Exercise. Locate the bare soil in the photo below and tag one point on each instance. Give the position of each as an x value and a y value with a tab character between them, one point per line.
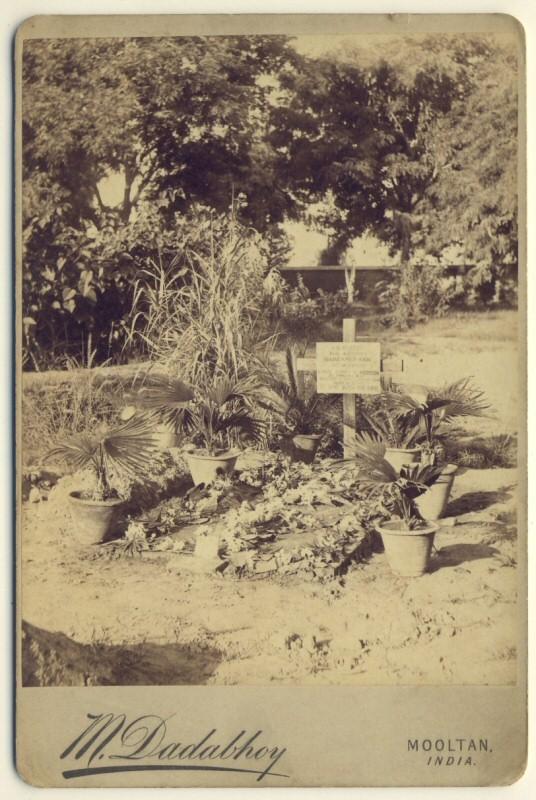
155	621
456	624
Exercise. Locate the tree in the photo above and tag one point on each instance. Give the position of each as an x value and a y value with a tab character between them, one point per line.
390	137
324	132
475	203
180	119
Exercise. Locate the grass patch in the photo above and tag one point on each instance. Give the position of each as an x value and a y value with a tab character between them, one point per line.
484	452
55	410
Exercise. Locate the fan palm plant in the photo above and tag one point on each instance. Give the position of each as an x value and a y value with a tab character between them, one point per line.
428	412
302	412
166	398
125	451
407	536
212	417
396	490
224	413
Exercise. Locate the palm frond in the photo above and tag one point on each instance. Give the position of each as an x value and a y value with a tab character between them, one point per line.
224	390
275	400
462	399
369	453
243	422
77	452
425	474
166	398
395	430
163	393
130	447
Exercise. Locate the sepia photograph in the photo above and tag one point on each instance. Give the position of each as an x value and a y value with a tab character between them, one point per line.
271	383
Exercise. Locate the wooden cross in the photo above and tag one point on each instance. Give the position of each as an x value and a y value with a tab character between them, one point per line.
348	400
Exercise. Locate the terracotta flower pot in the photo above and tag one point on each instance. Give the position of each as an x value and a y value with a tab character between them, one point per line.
399	457
205	468
433	502
305	446
93	519
408	552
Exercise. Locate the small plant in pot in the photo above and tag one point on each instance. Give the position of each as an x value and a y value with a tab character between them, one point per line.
430	413
112	456
302	413
407	536
216	422
165	399
399	435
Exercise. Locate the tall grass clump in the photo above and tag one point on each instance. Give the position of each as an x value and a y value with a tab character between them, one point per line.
201	312
53	409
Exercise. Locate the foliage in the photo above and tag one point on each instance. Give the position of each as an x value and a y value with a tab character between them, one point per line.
475	202
292	500
223	414
377	418
415	293
299	315
415	144
79	403
179	117
125	451
165	397
301	412
175	122
296	313
397	491
482	453
430	411
408	416
413	140
213	416
199	313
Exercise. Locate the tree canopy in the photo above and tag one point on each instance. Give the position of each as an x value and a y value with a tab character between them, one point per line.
414	141
395	140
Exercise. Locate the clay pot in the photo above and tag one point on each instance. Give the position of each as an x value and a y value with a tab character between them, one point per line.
408	552
399	457
93	519
433	502
205	468
305	446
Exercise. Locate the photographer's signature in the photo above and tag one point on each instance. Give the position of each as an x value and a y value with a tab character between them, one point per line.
112	743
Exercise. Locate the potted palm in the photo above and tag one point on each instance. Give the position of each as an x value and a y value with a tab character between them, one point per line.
406	535
219	419
430	412
111	456
166	399
398	435
302	413
214	421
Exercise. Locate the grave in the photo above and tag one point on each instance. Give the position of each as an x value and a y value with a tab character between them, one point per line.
351	367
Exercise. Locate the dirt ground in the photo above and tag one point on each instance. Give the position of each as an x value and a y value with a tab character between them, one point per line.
155	621
456	624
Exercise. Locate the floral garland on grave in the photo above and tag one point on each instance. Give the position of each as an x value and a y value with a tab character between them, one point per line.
286	500
292	494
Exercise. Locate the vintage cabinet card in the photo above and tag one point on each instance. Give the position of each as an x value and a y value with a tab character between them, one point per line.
271	404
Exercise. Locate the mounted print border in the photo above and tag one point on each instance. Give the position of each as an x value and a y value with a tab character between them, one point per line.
271	400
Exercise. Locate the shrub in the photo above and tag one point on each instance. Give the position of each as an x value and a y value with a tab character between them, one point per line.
483	453
418	292
299	314
199	313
